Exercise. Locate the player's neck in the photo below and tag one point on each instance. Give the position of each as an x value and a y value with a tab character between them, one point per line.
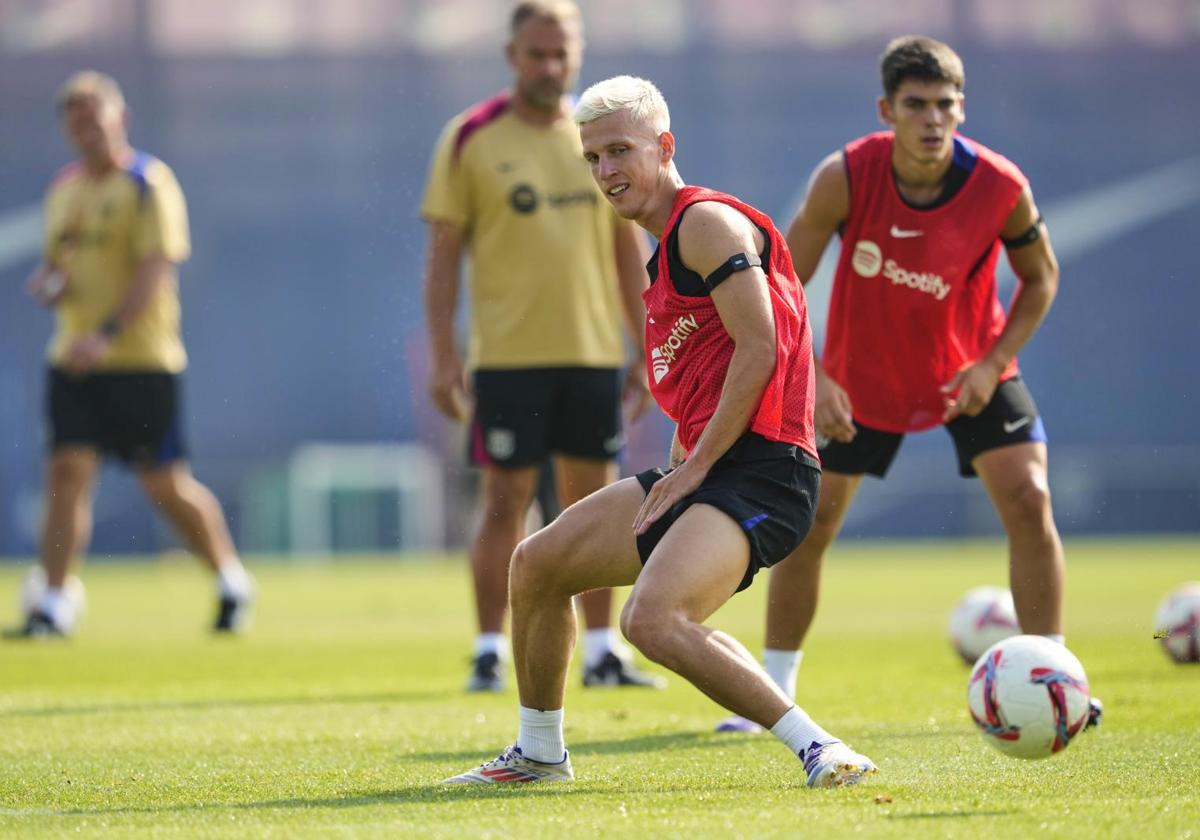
654	220
534	114
111	160
919	181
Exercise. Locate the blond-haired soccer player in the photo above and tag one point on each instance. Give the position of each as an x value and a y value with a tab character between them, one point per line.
116	231
730	356
552	273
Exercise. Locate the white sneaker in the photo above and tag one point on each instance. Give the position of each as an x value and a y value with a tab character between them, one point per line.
833	764
512	766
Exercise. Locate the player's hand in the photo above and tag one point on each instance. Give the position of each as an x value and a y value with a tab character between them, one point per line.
635	393
832	412
667	492
971	389
86	352
448	387
46	285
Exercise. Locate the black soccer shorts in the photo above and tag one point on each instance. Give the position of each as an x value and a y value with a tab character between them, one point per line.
769	488
1011	417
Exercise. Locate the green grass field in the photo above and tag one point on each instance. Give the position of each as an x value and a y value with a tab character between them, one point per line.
341	710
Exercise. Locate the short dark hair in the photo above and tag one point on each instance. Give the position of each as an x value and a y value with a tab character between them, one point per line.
921	58
563	11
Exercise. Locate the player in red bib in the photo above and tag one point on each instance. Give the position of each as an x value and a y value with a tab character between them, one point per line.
916	336
729	356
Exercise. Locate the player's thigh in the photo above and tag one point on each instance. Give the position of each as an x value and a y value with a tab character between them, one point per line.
580	477
508	490
586	422
1016	477
696	567
71	416
141	418
511	421
71	470
837	492
590	545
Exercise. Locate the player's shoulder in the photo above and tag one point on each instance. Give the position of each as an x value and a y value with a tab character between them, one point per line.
712	221
994	161
875	143
474	121
65	176
148	172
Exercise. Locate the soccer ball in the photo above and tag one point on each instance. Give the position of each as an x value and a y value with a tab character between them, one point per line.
1177	623
982	617
1029	696
34	587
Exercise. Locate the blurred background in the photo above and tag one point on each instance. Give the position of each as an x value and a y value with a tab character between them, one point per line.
301	131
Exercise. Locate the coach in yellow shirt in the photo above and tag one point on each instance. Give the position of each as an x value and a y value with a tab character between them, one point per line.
552	271
116	230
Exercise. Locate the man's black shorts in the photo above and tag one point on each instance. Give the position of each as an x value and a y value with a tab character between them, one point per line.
133	416
767	487
1011	417
524	414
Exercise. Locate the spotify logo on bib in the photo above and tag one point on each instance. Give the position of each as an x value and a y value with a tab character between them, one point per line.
867	259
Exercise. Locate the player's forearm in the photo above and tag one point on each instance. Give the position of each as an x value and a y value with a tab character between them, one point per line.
750	370
1029	306
441	299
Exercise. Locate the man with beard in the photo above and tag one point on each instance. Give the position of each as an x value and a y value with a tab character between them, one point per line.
552	272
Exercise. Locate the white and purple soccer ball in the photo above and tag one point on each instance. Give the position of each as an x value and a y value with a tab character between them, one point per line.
1177	623
982	617
1029	696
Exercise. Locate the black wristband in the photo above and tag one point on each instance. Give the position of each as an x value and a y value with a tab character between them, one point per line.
111	328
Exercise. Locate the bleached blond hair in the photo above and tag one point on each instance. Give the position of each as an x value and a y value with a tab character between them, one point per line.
624	93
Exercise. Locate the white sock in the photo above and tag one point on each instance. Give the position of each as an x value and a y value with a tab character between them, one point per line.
798	731
491	643
1056	637
782	666
598	642
232	580
58	607
541	735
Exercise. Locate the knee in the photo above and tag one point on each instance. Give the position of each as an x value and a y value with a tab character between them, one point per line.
505	507
66	474
649	629
531	570
1029	502
159	485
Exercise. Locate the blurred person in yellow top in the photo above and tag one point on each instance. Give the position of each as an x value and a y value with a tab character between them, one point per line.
116	231
552	273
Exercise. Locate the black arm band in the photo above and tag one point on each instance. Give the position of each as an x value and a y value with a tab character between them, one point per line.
734	264
111	328
1027	238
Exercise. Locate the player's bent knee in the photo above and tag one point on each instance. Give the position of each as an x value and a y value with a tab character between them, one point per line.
651	630
1029	501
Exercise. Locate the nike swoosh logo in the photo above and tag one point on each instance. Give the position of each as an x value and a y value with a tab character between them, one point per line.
1010	427
906	234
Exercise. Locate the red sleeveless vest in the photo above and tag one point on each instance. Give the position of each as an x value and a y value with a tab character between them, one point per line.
914	296
688	349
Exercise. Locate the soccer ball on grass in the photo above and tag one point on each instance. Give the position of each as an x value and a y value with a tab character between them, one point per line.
1177	623
982	617
1029	696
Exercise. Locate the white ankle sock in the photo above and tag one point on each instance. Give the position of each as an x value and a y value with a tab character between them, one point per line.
491	643
541	735
1056	637
58	608
232	580
598	642
783	666
798	731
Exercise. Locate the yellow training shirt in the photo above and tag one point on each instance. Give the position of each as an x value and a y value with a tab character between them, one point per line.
542	279
98	230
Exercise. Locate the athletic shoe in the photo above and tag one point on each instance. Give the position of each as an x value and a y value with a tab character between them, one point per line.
232	614
833	764
37	625
1095	713
613	670
487	673
512	766
737	723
